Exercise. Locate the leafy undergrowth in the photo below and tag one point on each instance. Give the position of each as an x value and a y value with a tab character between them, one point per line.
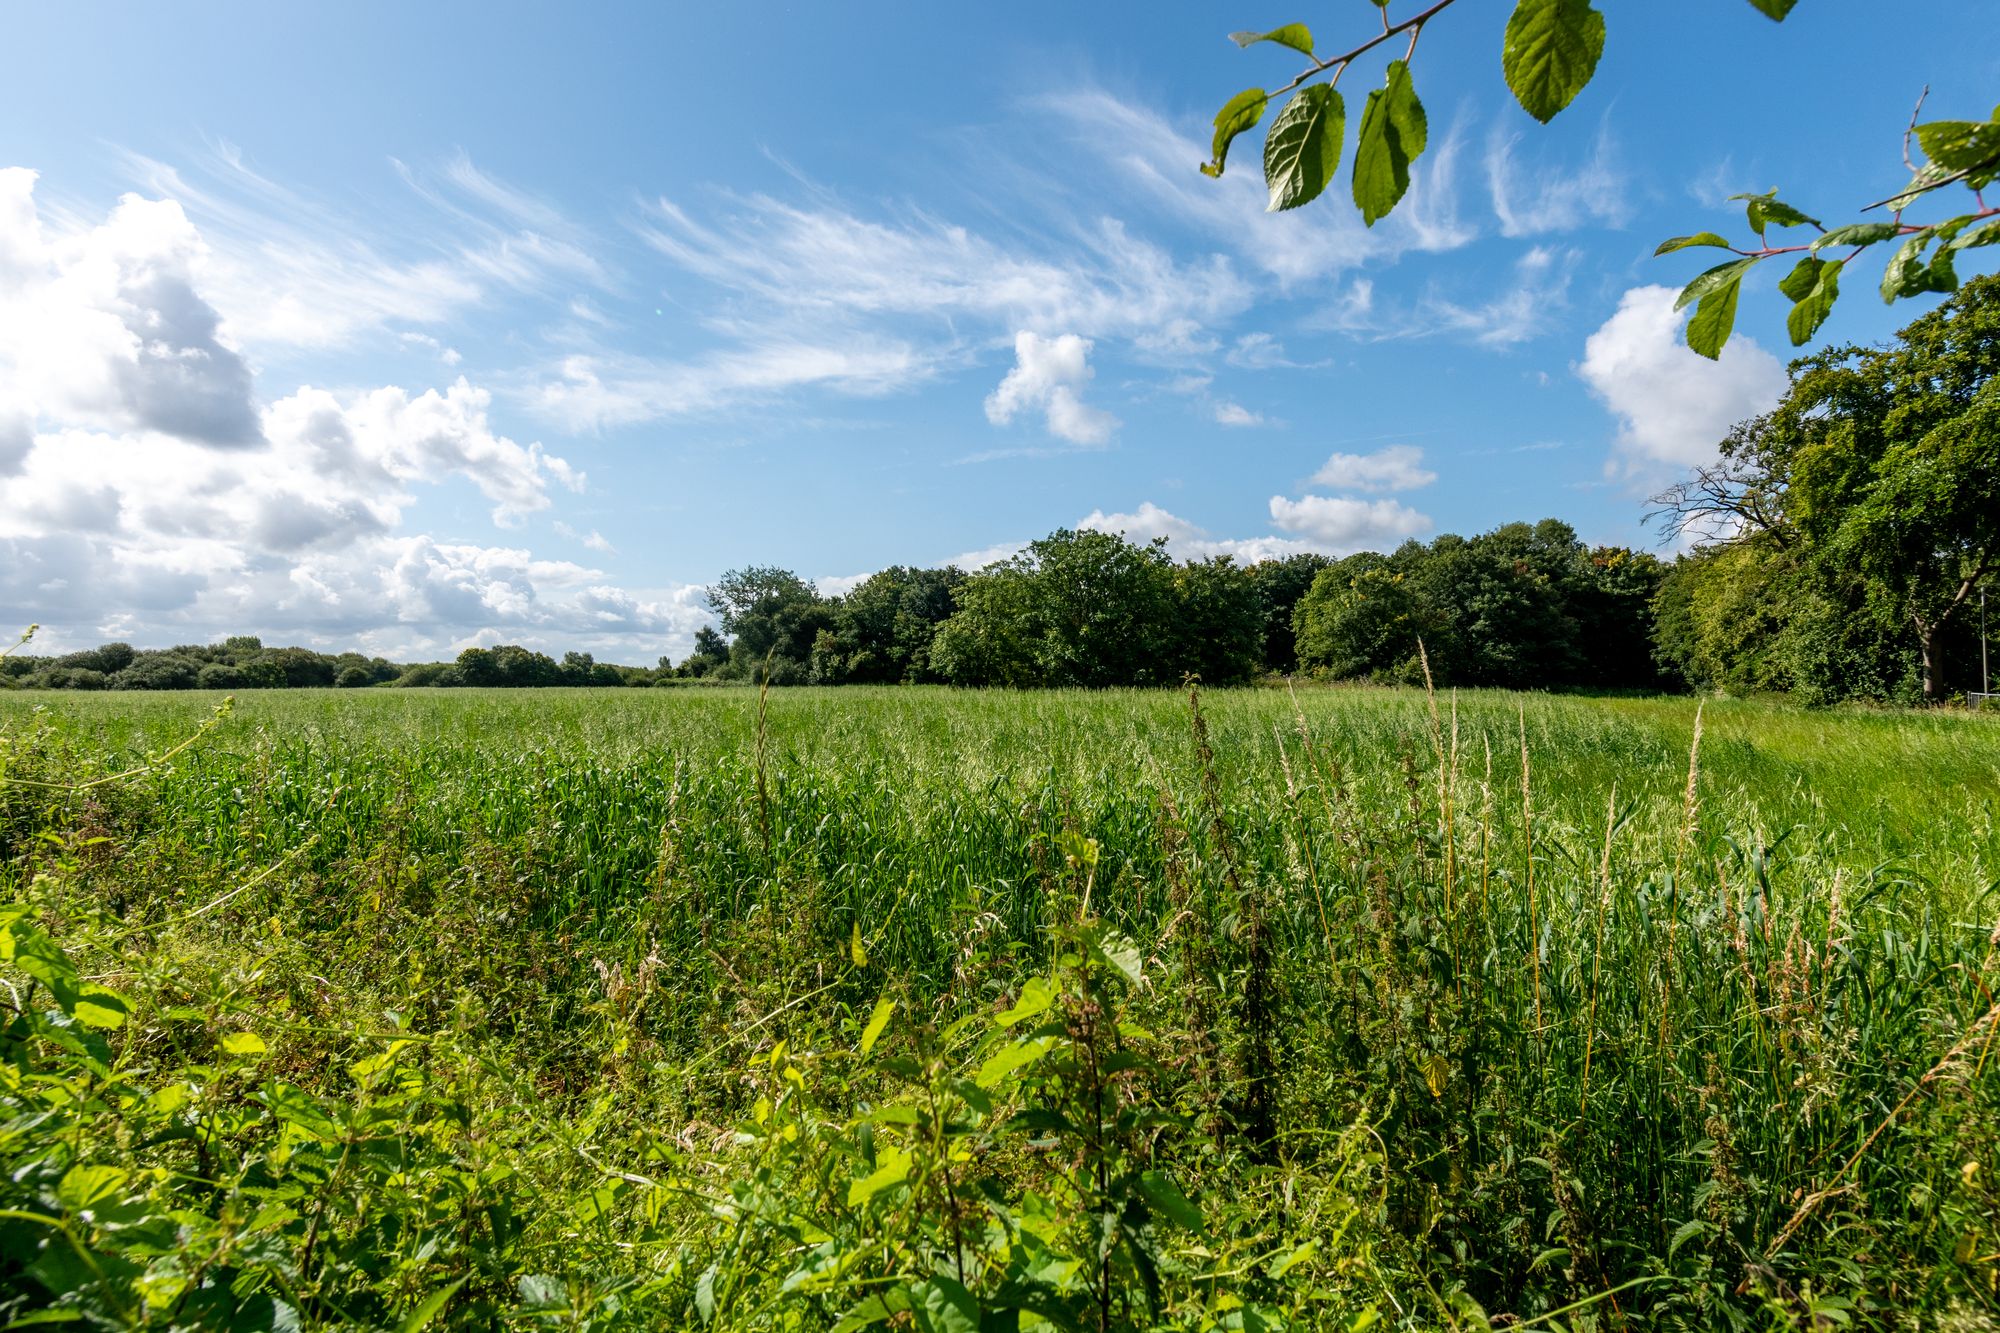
300	1035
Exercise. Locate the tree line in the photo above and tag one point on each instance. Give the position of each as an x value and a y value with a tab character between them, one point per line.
1847	538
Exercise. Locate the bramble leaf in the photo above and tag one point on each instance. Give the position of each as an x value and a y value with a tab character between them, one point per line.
1238	114
1295	35
1392	134
1550	52
1303	149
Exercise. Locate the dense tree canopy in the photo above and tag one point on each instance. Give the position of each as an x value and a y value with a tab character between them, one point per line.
1852	526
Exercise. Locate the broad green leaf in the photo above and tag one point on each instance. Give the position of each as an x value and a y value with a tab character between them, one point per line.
1037	994
295	1106
1011	1059
1714	318
1767	210
874	1310
892	1169
1551	50
1683	242
876	1022
1815	302
1168	1201
1986	233
1392	134
855	949
1857	233
101	1007
1302	150
1929	176
1961	145
1905	274
1238	114
1713	280
1294	1259
244	1043
1798	284
1774	9
1295	35
88	1184
34	952
943	1305
433	1305
1119	951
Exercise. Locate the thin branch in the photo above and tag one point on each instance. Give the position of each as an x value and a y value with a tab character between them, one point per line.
1413	24
1910	133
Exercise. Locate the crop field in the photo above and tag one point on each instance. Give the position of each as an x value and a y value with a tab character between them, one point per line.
953	1010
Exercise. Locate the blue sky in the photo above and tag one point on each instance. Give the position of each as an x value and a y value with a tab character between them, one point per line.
407	327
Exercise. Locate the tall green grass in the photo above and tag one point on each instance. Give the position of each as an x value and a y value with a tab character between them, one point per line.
1627	1048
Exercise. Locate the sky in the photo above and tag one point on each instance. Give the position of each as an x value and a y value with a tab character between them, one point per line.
410	327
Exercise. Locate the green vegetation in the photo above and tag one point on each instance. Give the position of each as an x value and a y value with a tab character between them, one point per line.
1549	53
956	1010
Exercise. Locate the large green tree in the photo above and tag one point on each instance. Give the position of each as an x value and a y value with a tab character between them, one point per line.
1879	477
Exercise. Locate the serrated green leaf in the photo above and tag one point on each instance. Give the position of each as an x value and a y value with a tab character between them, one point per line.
1011	1059
1961	145
1985	233
1037	994
88	1184
100	1006
1815	302
1667	247
876	1022
1774	9
1168	1201
1302	151
1122	953
874	1310
1857	233
1393	132
1686	1232
1295	35
247	1044
432	1306
943	1305
892	1169
1713	280
1799	282
1714	318
1929	176
1550	52
1767	210
1238	114
1904	275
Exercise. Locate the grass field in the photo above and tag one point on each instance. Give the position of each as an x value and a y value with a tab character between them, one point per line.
913	1008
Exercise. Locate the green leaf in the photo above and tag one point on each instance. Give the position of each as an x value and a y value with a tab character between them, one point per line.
1714	318
1713	280
1293	1260
1961	145
1767	210
1302	150
1393	132
943	1305
1799	282
875	1310
85	1185
1011	1059
1037	994
247	1044
1238	114
1929	176
1857	233
1168	1201
434	1303
1986	233
893	1169
1815	302
1295	35
1774	9
1906	274
1550	52
101	1007
876	1022
1683	242
1120	952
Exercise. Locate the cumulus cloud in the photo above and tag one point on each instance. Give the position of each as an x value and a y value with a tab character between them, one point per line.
1049	375
1400	467
1229	413
144	493
105	327
1343	525
1673	407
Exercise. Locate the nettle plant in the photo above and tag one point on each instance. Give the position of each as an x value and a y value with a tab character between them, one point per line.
1549	54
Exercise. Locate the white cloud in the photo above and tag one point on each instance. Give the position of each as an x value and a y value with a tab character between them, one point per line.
839	585
1400	467
1515	315
1342	525
985	555
1049	375
1229	413
104	326
1532	200
1673	406
591	391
